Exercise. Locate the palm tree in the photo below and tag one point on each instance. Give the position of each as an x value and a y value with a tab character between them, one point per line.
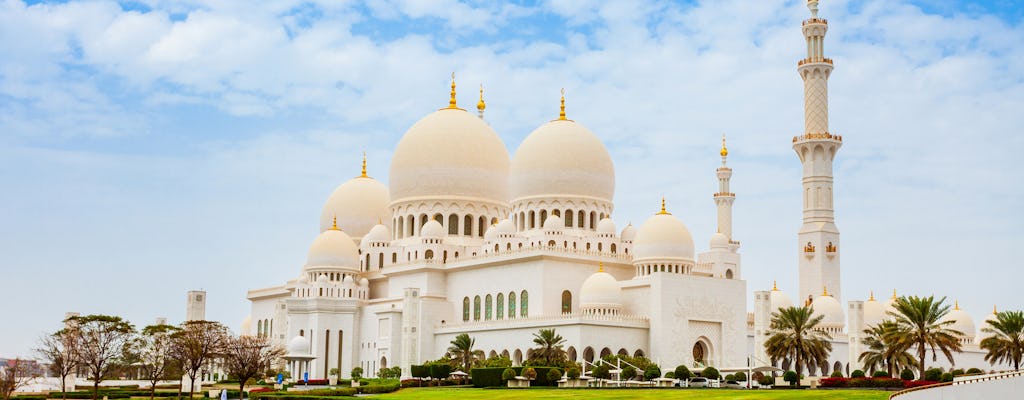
793	334
1007	342
921	325
549	346
883	351
461	350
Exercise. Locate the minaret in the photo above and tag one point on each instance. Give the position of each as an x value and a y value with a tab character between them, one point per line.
724	198
195	309
817	147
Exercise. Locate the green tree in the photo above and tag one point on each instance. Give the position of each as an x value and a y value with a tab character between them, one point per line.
13	376
710	373
601	372
907	374
103	342
196	344
683	373
1006	343
497	361
549	347
508	374
791	377
356	373
529	373
628	373
462	351
573	373
794	335
883	350
652	372
921	326
554	375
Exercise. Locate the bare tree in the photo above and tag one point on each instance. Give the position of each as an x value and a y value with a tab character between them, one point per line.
13	375
196	344
103	341
246	357
156	353
60	349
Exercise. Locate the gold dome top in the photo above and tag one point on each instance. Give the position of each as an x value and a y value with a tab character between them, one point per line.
480	105
334	224
561	113
663	211
724	152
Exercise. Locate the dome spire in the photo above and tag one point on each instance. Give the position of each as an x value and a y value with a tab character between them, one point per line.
663	211
451	101
872	297
334	223
824	291
724	152
480	105
775	286
956	304
894	294
600	266
363	174
561	112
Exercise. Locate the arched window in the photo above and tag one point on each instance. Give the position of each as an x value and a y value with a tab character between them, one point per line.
367	265
566	302
476	308
380	261
467	225
533	219
394	258
593	220
543	217
411	223
512	304
487	307
481	228
612	246
599	246
568	218
728	274
401	228
465	309
429	254
581	216
524	301
453	224
259	328
500	307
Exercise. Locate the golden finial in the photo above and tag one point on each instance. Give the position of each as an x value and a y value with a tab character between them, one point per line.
724	151
994	311
480	105
363	174
561	114
824	291
451	101
334	224
600	266
956	304
380	221
663	211
894	294
775	286
872	298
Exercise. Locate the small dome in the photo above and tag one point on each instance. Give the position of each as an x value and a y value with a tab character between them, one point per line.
347	281
358	205
333	248
628	233
779	299
363	282
298	346
322	279
433	230
562	158
246	326
379	234
504	227
606	226
450	153
981	334
554	223
663	236
719	241
962	321
874	312
829	307
602	291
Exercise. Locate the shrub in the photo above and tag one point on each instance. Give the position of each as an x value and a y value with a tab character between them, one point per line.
32	397
357	373
682	372
766	380
411	383
303	395
730	377
880	374
957	372
440	371
857	374
914	384
497	361
573	373
334	372
837	374
379	388
973	371
740	376
881	382
946	377
601	371
420	371
907	374
710	373
834	382
507	374
932	374
652	372
790	376
628	373
554	375
530	373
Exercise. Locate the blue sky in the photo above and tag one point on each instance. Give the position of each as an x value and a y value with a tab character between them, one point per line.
153	147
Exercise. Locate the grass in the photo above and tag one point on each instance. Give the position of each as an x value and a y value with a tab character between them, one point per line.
548	393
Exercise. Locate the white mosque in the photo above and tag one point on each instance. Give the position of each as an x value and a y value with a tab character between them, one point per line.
470	240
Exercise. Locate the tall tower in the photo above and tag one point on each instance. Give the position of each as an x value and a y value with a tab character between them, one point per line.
817	147
724	198
195	306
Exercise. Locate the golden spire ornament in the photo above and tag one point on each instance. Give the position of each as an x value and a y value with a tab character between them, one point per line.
872	298
480	105
451	101
363	174
561	112
600	266
663	211
334	223
775	286
724	152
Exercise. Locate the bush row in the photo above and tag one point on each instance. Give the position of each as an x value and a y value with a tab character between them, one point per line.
872	383
488	377
326	393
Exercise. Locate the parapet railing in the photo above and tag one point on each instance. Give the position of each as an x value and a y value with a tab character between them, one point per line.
976	379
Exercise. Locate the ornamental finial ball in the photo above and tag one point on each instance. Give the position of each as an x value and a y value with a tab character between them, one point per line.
561	113
451	101
725	151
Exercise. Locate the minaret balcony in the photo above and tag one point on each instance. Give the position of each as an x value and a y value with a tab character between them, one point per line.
818	136
725	194
824	60
814	21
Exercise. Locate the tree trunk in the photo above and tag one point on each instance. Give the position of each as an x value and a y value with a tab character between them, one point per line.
152	389
95	389
241	389
799	369
191	385
63	386
920	353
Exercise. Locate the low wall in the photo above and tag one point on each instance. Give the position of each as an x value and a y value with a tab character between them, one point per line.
995	386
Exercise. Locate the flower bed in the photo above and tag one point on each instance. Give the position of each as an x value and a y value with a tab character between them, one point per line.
871	383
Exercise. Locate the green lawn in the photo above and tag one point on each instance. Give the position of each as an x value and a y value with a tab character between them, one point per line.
499	394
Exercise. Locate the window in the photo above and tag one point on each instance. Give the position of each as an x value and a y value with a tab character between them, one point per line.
467	226
429	254
500	307
487	307
525	306
512	304
476	308
453	224
566	302
465	309
568	218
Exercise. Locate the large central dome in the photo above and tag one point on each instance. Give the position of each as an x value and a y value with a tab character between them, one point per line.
562	158
450	154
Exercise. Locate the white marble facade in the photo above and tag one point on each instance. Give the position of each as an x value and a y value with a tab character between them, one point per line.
467	238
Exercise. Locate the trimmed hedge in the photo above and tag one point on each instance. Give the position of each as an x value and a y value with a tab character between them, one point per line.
490	377
111	394
869	383
232	394
304	395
